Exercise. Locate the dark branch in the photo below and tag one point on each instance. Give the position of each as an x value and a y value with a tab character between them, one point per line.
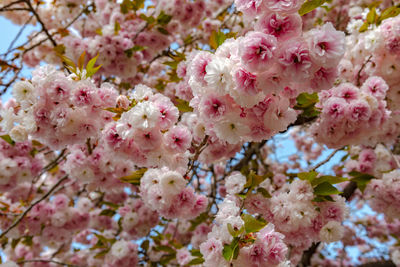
16	222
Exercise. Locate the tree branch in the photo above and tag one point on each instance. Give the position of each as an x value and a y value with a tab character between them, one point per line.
254	147
361	69
387	263
11	4
49	261
33	205
326	160
28	2
197	153
306	258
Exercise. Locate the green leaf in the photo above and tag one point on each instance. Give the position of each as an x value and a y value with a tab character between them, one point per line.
59	49
28	241
188	40
183	106
117	27
389	12
110	204
125	6
328	178
256	179
81	60
253	180
162	30
252	224
344	157
90	69
264	192
135	177
196	253
229	250
364	27
310	5
134	5
196	261
93	71
307	176
15	242
99	31
165	249
101	254
138	4
310	112
8	139
172	64
234	232
148	19
323	199
101	238
242	196
69	63
167	258
102	242
136	48
371	16
374	4
236	250
116	110
305	100
163	19
107	212
217	39
362	179
326	189
145	245
198	220
33	152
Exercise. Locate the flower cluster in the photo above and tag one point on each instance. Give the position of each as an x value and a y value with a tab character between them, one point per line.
122	39
298	217
383	194
57	110
265	249
352	115
60	219
122	253
98	168
18	165
245	91
138	218
268	249
148	133
372	161
165	191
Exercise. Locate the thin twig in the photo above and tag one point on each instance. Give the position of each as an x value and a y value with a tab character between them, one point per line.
253	147
20	32
197	153
361	69
50	261
11	4
33	205
15	9
326	160
28	2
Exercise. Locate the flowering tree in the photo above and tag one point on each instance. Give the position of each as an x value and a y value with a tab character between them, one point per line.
147	133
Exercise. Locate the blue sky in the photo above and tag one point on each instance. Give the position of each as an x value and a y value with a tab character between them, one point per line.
8	31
